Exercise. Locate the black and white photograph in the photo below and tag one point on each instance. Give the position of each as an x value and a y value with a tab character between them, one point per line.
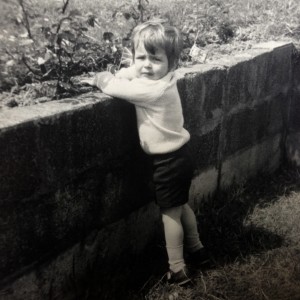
149	150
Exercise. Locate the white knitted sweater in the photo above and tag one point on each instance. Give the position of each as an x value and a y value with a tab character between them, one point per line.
158	108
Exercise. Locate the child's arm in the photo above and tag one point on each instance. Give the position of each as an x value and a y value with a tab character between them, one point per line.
127	73
139	91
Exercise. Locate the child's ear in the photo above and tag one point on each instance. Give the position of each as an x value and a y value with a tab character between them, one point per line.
172	69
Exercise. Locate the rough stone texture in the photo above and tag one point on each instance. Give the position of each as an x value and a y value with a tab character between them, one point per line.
62	167
202	93
293	149
253	124
263	157
250	81
293	138
96	255
75	187
56	148
204	184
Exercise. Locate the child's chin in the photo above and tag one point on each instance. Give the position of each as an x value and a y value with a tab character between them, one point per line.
149	76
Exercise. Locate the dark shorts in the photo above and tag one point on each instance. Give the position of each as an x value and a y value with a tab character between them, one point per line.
172	176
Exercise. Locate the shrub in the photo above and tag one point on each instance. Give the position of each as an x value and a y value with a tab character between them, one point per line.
60	46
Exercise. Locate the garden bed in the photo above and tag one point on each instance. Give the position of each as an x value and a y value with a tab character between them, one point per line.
46	46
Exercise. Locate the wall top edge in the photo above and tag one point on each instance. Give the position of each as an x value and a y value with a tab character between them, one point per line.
16	116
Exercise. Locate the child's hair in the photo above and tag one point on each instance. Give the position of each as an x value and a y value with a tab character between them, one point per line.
154	35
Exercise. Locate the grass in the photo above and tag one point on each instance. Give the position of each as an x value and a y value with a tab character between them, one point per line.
253	234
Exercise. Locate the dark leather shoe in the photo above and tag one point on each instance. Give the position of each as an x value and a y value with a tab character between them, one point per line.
181	277
199	258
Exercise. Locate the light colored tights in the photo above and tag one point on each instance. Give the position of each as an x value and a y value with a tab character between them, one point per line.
180	228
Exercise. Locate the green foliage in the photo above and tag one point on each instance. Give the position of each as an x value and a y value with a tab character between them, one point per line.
62	41
57	47
60	46
55	40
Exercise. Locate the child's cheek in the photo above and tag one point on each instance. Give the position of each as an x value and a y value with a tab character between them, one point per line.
137	71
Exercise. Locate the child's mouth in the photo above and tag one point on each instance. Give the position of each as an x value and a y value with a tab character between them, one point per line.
146	74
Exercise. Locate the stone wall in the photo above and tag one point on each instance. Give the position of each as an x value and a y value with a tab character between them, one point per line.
76	199
293	138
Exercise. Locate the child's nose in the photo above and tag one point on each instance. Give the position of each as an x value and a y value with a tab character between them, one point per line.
147	63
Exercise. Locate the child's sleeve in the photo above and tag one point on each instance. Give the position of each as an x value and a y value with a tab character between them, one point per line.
139	91
127	73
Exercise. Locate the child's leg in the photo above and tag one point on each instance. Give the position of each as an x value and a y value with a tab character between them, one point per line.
191	235
171	218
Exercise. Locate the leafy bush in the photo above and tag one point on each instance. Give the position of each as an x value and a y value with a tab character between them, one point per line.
59	46
63	38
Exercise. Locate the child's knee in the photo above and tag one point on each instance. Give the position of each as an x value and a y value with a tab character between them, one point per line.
186	206
172	212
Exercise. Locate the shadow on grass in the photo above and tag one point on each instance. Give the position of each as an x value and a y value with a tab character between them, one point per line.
222	220
133	276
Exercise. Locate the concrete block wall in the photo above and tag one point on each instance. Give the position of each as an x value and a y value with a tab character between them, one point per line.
75	187
293	137
72	173
241	114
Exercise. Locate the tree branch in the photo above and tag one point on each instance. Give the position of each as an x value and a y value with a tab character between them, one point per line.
27	25
29	67
65	6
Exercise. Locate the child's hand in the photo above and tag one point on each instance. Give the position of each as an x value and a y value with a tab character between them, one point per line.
87	80
126	73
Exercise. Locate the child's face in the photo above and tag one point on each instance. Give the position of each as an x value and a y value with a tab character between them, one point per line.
152	66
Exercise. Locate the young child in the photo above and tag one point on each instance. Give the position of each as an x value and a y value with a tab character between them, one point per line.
151	85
